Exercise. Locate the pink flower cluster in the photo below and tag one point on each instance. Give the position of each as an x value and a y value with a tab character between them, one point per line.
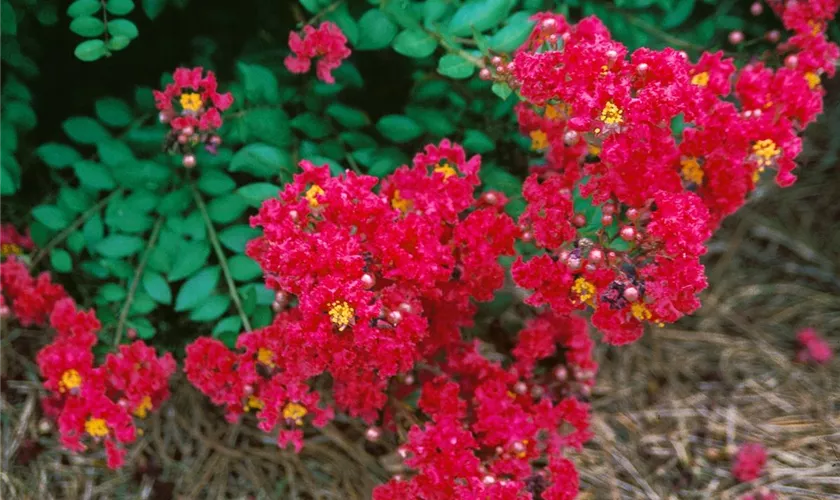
12	242
192	106
604	118
93	404
749	462
327	43
813	347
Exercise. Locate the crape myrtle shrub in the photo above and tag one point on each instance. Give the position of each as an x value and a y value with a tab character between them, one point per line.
316	231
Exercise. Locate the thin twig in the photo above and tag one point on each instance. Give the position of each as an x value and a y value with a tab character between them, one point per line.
72	227
134	282
214	239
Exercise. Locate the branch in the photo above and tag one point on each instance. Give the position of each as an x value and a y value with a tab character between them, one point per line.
214	239
136	280
72	227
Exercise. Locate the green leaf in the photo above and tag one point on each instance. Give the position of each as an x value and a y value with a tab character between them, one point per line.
73	201
514	34
342	18
84	130
119	245
376	30
123	27
480	15
476	141
114	152
57	155
226	208
434	121
455	67
76	242
211	309
192	257
153	8
61	260
236	237
119	7
113	112
87	26
346	116
357	140
678	14
112	292
243	268
312	125
144	328
90	50
260	83
93	231
214	182
231	324
414	43
399	128
502	90
196	289
118	42
258	192
8	19
50	216
175	202
261	160
157	287
269	125
20	114
83	8
142	304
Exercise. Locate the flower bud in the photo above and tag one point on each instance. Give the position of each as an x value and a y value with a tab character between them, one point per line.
490	198
642	69
500	69
510	67
631	294
131	333
488	479
736	37
216	140
496	60
164	117
564	256
485	74
607	220
570	138
518	447
188	131
612	55
188	161
596	256
368	281
632	214
293	214
408	379
573	263
520	388
627	233
373	434
579	220
756	8
394	317
553	39
406	308
561	373
773	36
182	139
527	236
791	61
403	452
549	25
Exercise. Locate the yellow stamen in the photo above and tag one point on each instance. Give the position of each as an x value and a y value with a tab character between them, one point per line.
191	101
312	195
254	402
143	408
96	427
584	289
701	79
511	394
7	249
539	140
816	27
813	79
446	170
757	174
604	70
593	149
265	356
691	170
766	151
69	380
295	412
341	314
612	114
399	203
555	111
640	311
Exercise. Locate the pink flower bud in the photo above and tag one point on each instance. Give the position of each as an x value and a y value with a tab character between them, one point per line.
131	333
408	379
791	61
215	140
373	434
631	294
490	198
612	55
488	479
406	308
579	220
518	447
570	138
561	373
607	220
164	117
773	36
293	214
563	256
403	452
756	9
632	214
573	263
553	39
627	233
736	37
510	67
485	74
188	161
527	236
642	69
394	317
500	69
596	256
368	281
188	131
520	388
549	25
496	60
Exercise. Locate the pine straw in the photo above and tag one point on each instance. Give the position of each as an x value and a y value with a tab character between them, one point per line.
669	410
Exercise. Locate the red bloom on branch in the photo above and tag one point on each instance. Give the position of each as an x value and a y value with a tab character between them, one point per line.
814	348
749	462
327	43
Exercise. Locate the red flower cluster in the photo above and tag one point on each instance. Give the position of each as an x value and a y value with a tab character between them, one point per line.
814	348
327	43
749	462
392	272
91	403
490	435
625	202
12	242
197	114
